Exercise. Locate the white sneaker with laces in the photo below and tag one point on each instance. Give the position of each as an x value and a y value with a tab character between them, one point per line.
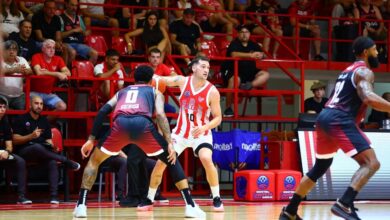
80	211
194	212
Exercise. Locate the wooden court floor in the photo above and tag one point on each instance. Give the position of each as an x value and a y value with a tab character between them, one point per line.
368	210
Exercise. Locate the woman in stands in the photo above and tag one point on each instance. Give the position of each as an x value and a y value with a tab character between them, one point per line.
152	35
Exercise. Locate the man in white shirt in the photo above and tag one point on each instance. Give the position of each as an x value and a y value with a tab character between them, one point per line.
15	66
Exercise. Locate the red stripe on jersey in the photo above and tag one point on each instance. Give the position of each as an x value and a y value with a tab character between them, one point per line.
179	124
188	126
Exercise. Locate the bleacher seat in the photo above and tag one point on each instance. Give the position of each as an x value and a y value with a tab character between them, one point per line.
98	43
209	48
119	44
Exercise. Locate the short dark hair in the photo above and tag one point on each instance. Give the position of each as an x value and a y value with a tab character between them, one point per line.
23	21
188	11
11	43
3	101
154	50
143	73
48	1
197	59
112	53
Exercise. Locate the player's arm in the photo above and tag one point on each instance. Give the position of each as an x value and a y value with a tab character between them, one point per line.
365	78
178	80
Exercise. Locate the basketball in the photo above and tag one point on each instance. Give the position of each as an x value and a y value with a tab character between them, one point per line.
159	84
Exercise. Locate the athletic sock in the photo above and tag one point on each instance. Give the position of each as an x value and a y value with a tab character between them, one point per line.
152	194
215	191
187	197
82	197
292	207
348	197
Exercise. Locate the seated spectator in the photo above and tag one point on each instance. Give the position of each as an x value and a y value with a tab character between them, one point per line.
185	35
94	16
180	6
152	35
131	18
159	68
214	19
53	68
30	8
249	76
154	5
316	103
378	117
110	68
14	164
13	65
10	17
33	142
299	11
73	31
27	45
274	26
345	29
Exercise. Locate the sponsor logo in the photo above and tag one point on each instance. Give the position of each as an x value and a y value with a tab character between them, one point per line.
250	147
223	146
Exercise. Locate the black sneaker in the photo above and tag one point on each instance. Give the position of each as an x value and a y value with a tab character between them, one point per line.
72	165
246	86
129	202
160	198
145	205
54	200
344	212
287	216
319	58
23	200
228	112
217	204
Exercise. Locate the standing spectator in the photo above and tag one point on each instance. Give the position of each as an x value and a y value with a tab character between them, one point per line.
73	31
27	45
249	75
96	17
53	68
13	65
13	163
185	34
33	142
300	12
10	17
316	103
110	68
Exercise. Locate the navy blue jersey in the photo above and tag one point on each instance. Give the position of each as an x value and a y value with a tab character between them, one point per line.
344	96
135	100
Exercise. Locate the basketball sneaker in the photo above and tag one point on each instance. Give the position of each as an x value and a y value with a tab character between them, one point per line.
194	212
287	216
217	204
80	211
342	211
23	200
145	205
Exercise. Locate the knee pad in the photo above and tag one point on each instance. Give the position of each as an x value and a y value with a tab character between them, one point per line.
176	172
320	167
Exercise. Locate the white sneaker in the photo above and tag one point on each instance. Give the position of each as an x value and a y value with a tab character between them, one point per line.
80	211
194	212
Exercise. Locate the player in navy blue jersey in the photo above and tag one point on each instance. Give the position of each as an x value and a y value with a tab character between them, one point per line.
337	127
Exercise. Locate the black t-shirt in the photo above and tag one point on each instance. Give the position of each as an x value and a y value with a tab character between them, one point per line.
48	29
25	125
26	48
185	34
68	24
244	66
311	104
5	132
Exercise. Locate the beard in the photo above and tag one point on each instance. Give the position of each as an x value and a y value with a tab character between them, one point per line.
373	61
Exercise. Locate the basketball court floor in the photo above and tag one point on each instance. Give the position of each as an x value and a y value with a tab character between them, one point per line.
368	210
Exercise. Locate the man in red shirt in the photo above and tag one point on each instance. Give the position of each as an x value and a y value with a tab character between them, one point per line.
51	68
158	67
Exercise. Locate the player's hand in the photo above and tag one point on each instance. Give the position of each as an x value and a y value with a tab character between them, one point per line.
172	154
87	148
36	133
197	131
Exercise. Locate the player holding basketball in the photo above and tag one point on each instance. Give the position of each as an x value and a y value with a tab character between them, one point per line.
337	127
198	99
133	108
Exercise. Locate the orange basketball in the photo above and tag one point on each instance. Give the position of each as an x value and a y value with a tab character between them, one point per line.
159	84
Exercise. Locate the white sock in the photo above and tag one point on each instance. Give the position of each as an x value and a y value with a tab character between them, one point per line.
215	191
151	194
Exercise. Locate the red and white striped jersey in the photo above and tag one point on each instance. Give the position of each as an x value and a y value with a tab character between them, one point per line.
194	109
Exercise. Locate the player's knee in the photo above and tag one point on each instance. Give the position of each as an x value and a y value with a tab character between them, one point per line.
320	167
375	165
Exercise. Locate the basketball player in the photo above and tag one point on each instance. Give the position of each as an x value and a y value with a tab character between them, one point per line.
133	108
337	127
198	99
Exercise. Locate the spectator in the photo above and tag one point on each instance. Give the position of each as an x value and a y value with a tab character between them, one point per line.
315	104
274	26
10	17
52	68
13	163
73	31
110	68
95	16
159	68
249	75
378	117
180	6
33	142
345	29
30	8
152	35
13	65
132	18
27	45
300	12
185	35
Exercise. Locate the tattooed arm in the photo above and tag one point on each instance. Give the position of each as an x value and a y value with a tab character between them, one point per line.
178	80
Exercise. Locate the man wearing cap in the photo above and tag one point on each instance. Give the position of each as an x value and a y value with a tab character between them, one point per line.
249	76
14	164
337	127
14	66
315	104
185	34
